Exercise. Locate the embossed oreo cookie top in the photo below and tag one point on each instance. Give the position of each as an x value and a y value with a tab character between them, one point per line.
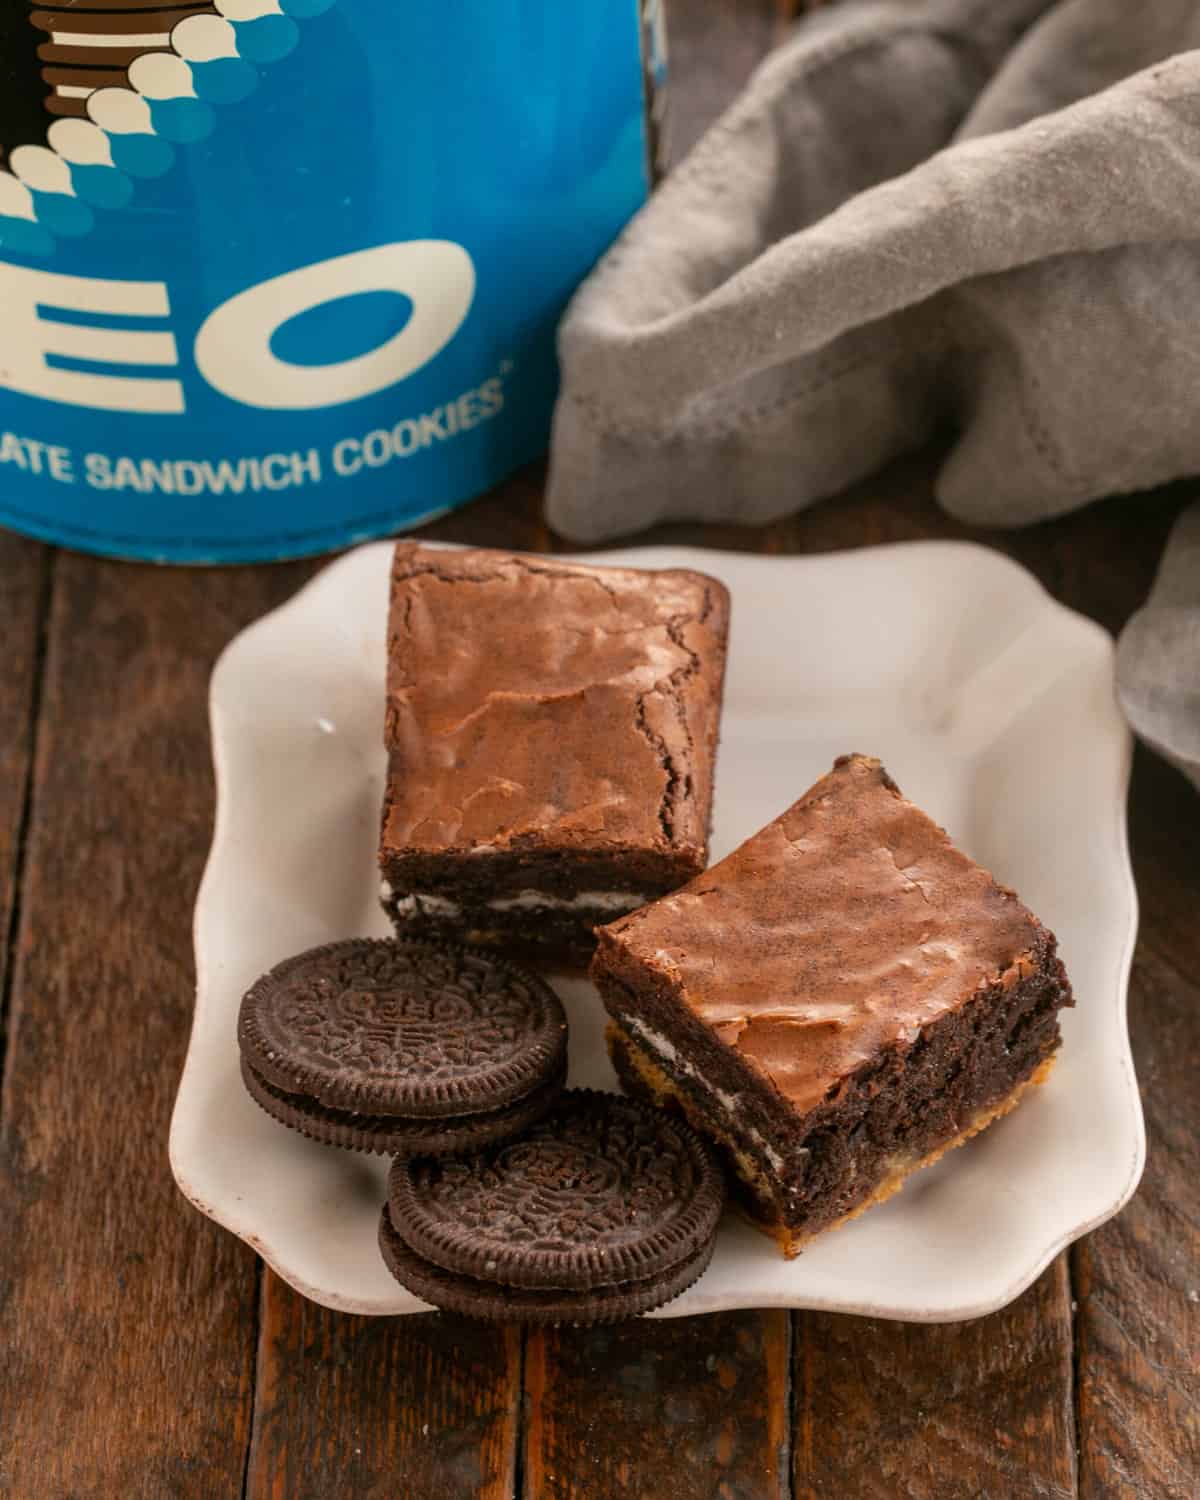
602	1190
402	1028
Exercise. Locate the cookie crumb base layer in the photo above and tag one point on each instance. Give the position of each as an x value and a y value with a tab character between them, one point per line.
539	937
638	1071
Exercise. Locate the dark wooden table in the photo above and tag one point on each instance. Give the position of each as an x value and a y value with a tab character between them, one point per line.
146	1353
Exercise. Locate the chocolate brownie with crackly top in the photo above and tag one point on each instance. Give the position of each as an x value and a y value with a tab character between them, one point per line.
837	1003
551	730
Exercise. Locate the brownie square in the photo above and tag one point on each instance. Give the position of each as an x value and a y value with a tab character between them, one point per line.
551	730
837	1003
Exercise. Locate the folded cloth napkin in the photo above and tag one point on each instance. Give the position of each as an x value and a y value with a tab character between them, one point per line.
977	213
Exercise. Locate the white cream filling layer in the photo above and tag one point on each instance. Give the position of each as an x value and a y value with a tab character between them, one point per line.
114	39
669	1052
615	902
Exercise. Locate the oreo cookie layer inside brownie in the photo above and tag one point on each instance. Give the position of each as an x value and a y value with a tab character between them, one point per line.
840	1001
551	731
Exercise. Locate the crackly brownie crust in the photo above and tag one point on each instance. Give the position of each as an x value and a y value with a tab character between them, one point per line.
838	1000
551	727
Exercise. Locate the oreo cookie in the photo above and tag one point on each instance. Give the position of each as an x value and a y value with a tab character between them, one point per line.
402	1047
90	44
480	1299
603	1210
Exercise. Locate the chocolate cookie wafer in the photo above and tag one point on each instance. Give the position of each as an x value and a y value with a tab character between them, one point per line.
90	43
402	1046
393	1135
481	1299
603	1210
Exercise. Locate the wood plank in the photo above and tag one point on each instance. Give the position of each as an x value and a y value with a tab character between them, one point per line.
894	1411
1164	830
1136	1283
508	516
104	1392
1100	560
982	1408
25	569
421	1407
679	1407
1138	1277
415	1406
714	47
128	1318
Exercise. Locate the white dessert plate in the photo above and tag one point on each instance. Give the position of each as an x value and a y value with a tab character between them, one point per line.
990	704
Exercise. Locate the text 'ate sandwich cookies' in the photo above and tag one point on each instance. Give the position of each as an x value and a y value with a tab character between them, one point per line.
603	1210
402	1047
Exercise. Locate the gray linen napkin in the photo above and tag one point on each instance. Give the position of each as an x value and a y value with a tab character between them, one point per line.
977	211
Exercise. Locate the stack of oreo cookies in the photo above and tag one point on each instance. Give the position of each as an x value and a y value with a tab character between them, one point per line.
409	1048
509	1198
604	1210
91	43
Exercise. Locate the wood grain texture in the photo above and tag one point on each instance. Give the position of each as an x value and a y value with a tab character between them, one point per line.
1138	1388
1100	561
904	1412
24	574
413	1407
131	1360
688	1407
1138	1277
697	1407
128	1319
420	1407
993	1400
508	516
107	778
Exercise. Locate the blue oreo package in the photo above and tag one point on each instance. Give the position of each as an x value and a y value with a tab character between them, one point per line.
279	275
